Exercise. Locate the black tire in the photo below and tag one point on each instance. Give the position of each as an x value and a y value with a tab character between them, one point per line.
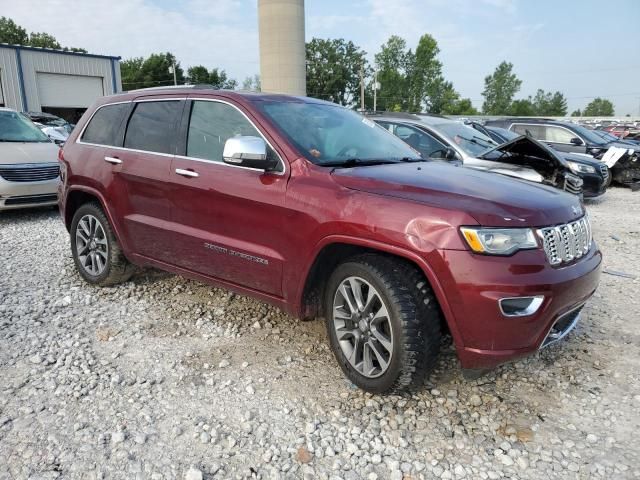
607	184
414	317
117	268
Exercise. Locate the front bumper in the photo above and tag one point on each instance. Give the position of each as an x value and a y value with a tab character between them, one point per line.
15	195
594	184
474	284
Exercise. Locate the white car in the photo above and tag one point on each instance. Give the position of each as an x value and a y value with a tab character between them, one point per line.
29	169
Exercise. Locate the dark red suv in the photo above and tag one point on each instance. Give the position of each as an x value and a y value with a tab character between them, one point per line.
315	209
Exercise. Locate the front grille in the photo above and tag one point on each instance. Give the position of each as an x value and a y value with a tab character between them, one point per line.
565	243
573	184
31	199
37	172
604	170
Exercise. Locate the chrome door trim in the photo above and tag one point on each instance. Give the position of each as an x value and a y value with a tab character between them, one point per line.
187	173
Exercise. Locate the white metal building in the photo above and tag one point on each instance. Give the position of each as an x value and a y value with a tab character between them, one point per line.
54	81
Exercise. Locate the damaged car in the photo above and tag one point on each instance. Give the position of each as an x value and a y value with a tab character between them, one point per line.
440	138
594	173
622	158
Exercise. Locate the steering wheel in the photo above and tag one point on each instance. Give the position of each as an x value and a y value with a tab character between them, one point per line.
344	151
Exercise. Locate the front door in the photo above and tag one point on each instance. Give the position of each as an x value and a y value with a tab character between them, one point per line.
229	221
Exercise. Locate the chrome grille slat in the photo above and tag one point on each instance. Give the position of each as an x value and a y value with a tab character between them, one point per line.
21	173
567	242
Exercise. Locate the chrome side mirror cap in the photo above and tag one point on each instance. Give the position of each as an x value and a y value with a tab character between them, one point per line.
247	151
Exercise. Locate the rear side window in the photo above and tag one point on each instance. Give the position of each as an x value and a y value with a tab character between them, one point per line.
211	125
535	131
104	126
152	126
558	135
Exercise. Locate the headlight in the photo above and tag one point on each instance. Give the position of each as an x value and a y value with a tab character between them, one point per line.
499	241
580	168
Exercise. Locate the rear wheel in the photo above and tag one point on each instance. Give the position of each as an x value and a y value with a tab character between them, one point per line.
383	323
95	249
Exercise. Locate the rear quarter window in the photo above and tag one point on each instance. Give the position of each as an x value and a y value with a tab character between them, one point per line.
152	126
104	126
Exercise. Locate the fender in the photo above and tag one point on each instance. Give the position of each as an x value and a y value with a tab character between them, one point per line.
394	250
114	225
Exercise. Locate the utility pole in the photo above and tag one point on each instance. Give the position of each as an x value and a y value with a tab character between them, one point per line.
362	87
375	90
172	69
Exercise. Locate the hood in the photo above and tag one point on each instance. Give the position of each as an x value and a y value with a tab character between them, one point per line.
26	152
583	158
493	200
526	146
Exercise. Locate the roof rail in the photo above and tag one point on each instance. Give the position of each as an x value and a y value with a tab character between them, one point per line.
178	87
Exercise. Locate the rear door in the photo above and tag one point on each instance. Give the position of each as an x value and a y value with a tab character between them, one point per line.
141	173
230	222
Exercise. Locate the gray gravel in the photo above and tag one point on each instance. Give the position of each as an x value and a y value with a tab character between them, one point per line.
164	378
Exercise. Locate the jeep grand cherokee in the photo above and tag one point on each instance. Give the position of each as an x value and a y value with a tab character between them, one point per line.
309	206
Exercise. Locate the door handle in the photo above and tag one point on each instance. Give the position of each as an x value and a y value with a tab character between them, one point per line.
187	173
113	160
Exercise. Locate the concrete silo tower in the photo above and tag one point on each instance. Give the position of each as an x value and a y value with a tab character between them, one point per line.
282	47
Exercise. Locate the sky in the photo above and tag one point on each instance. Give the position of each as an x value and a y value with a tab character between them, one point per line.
583	48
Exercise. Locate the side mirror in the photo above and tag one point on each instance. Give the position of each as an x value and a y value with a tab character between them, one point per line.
449	153
246	151
576	141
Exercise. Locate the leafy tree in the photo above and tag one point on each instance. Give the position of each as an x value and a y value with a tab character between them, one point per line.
150	72
252	84
333	70
443	98
43	40
522	108
462	106
599	107
12	33
549	104
216	77
576	113
394	63
427	88
499	90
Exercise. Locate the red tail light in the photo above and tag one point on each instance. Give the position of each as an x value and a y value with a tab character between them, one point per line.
60	155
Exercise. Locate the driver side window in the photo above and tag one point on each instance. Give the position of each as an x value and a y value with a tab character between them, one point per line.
421	141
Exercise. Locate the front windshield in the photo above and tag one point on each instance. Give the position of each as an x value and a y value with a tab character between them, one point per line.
588	134
15	128
471	141
331	135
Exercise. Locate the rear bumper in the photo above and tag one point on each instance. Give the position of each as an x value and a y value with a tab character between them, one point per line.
15	195
474	284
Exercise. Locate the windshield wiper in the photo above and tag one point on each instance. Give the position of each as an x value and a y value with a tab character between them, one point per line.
357	162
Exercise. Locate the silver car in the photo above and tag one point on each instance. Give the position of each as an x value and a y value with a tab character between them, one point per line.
29	169
440	138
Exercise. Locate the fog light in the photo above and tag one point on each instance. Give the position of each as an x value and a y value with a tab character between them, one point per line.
520	306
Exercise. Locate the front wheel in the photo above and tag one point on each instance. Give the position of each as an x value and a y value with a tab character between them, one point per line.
95	249
383	323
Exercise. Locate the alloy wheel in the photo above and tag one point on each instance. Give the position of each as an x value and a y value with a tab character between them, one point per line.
363	327
91	245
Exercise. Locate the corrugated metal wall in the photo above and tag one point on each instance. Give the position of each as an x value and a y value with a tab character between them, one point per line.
34	62
9	78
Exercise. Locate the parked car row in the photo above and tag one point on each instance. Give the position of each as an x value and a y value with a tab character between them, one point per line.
325	213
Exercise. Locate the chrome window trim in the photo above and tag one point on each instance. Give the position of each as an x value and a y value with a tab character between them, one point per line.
184	157
575	135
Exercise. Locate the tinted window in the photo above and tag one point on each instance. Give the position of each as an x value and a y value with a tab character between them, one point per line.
152	126
105	124
424	143
211	125
535	131
558	135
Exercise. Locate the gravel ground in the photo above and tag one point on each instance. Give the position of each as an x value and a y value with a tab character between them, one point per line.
164	378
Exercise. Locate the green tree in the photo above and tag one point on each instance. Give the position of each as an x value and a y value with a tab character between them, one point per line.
522	108
218	78
462	106
153	71
499	90
599	107
394	65
549	104
443	98
43	40
427	88
576	113
252	84
12	33
198	74
333	70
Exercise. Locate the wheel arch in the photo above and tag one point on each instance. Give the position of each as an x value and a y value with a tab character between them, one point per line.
332	250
